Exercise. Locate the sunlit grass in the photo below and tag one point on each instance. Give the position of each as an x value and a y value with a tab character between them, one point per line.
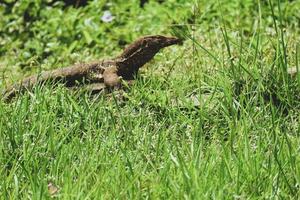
216	118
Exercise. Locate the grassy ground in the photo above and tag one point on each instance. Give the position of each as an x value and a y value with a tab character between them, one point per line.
241	142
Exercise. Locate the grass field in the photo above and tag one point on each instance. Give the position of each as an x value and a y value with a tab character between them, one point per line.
241	140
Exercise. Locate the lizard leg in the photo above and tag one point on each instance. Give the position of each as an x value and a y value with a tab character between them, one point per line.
94	88
111	78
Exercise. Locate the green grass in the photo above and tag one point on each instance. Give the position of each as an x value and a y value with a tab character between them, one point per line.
241	142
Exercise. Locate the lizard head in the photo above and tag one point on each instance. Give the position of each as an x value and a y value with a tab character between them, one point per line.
142	51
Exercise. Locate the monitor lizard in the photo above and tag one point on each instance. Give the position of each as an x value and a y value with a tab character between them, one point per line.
109	73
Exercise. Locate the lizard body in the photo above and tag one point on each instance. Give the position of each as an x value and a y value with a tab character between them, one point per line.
108	72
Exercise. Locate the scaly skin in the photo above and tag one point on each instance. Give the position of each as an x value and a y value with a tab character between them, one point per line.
109	72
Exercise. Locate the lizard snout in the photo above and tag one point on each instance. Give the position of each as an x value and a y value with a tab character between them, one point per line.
174	40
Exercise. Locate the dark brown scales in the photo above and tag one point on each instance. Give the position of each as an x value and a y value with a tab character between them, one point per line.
108	72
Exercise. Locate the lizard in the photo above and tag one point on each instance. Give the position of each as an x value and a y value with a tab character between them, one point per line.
108	72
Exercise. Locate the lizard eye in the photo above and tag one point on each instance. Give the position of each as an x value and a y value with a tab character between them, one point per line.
144	43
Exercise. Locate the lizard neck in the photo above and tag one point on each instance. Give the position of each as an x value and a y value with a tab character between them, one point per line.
140	52
128	65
